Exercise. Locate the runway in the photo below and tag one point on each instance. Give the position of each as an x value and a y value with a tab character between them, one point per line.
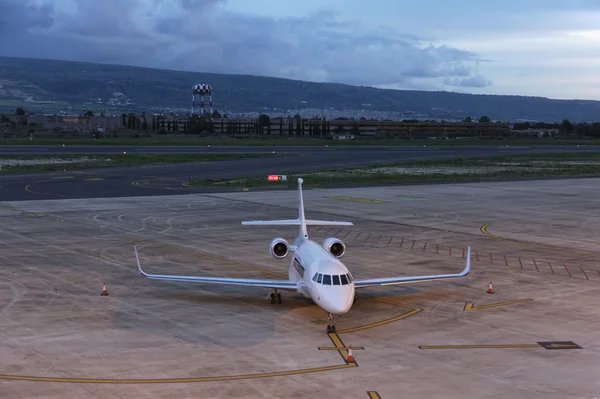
328	147
170	179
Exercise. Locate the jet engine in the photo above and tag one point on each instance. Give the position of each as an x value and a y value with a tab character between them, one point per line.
279	248
335	246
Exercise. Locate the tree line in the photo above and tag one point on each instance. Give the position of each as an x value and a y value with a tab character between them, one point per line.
296	125
206	125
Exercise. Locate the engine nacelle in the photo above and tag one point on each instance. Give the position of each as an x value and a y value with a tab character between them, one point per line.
335	246
279	248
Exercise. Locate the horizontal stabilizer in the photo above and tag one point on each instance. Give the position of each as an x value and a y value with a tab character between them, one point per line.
296	222
310	222
288	222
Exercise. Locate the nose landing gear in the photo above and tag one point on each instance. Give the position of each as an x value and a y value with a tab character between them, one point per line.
330	325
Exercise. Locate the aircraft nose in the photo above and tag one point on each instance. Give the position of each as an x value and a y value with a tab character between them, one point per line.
342	304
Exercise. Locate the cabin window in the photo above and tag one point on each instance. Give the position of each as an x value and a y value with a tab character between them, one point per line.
326	279
344	279
319	279
315	277
336	280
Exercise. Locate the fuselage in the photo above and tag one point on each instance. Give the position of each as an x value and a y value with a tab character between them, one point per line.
322	277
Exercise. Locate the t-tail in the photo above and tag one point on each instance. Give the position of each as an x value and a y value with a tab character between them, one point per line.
301	221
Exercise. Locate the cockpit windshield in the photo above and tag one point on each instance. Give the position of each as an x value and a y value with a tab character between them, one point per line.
327	279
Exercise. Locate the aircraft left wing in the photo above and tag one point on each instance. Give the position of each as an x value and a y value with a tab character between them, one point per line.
414	279
248	282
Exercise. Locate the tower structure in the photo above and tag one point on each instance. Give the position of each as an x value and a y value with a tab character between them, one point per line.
200	93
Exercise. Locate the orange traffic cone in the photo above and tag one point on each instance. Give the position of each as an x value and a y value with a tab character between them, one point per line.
350	357
104	292
490	290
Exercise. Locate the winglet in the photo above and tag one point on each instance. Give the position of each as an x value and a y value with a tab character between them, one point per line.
138	262
468	263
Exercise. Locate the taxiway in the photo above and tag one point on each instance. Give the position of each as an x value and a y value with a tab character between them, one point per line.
534	337
169	179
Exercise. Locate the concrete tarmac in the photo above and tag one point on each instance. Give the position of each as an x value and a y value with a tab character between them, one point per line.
536	336
170	178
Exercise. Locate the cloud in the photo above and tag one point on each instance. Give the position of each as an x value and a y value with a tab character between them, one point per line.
473	81
202	35
557	56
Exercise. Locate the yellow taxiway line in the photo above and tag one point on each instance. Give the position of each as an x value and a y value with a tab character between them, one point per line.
40	215
337	342
483	229
337	348
373	395
382	322
554	249
175	380
353	199
470	306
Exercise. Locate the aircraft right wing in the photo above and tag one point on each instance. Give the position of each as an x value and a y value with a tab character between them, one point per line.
413	279
247	282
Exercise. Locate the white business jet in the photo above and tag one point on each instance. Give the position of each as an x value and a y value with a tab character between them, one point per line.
315	271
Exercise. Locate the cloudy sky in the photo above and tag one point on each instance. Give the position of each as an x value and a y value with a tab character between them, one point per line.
545	48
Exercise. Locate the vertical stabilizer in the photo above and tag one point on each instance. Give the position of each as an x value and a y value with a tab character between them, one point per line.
301	221
301	217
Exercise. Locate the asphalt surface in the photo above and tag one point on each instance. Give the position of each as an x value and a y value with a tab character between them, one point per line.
323	149
170	179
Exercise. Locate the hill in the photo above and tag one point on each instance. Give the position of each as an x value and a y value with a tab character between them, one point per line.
50	86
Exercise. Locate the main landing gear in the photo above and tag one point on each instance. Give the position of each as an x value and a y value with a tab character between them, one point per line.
274	295
330	325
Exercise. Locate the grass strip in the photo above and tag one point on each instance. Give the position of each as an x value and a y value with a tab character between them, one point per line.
53	163
450	170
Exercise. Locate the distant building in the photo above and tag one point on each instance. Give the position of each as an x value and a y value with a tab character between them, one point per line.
338	129
74	122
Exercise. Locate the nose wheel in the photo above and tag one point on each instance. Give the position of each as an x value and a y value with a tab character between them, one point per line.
330	324
275	296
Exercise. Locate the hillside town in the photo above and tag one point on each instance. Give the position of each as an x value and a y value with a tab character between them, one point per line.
21	124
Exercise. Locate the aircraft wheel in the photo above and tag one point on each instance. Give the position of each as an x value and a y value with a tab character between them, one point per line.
272	298
279	299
